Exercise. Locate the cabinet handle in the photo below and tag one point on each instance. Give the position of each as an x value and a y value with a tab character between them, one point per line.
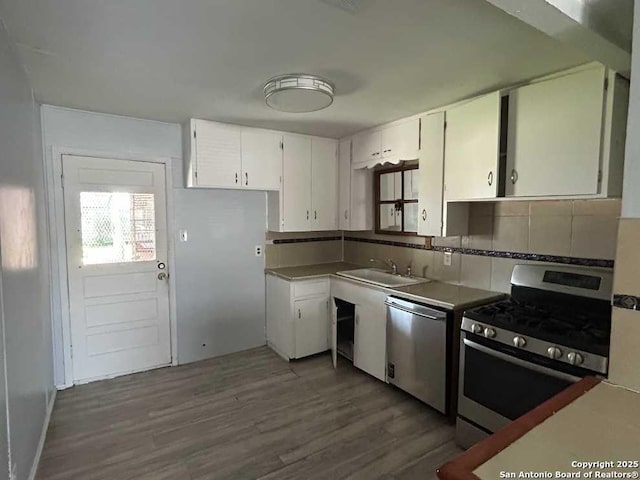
514	176
307	214
357	319
315	214
236	177
345	214
424	214
299	314
490	178
246	176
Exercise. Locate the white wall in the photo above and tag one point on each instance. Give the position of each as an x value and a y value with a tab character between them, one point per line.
631	187
200	314
24	278
220	288
97	134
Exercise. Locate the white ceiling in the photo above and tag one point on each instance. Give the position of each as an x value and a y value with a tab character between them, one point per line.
170	60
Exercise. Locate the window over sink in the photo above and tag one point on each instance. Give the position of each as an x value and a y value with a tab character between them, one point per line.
396	200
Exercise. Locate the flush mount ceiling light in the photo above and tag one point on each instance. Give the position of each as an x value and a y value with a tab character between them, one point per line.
298	93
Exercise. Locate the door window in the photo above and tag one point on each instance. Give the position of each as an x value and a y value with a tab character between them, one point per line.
117	227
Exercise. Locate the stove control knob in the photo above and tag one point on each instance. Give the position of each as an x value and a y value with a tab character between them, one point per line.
489	332
575	358
554	352
477	328
519	341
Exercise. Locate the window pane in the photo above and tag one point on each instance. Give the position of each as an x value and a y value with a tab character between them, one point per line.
390	186
117	227
410	217
390	218
411	184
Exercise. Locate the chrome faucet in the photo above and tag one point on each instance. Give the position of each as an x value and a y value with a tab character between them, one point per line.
388	263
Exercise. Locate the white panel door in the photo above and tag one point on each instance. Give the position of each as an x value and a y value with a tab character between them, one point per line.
217	154
344	184
261	159
116	235
472	148
324	184
369	350
555	128
296	183
431	166
311	326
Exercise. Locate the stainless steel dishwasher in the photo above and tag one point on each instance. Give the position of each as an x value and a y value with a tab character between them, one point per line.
417	351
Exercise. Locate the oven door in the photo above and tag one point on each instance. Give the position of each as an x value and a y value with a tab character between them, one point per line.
496	386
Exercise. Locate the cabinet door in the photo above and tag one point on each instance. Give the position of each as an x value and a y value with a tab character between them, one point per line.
555	131
472	148
361	208
324	184
367	147
344	184
296	184
400	142
217	152
369	350
261	159
431	177
311	325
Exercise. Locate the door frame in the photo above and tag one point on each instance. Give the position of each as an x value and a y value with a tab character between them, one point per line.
57	233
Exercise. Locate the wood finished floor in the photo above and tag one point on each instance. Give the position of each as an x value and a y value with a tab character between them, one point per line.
248	415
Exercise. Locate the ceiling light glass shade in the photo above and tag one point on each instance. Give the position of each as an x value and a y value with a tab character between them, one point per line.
298	93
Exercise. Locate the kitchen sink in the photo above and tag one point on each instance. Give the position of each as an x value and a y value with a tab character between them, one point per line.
382	278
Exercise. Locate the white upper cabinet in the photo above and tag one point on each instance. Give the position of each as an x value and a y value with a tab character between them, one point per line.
367	146
229	156
344	184
431	167
472	148
554	136
400	142
295	195
324	183
261	159
392	144
355	194
216	150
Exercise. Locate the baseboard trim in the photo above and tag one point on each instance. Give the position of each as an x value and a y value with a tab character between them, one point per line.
43	437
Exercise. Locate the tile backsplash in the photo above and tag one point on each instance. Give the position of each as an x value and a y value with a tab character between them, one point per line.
572	229
565	231
293	249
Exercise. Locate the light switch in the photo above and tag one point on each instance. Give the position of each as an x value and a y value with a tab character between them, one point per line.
183	235
447	258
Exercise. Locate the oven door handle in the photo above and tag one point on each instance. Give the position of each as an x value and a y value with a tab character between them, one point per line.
522	363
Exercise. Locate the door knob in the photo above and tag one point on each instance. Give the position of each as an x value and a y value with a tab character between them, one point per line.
162	276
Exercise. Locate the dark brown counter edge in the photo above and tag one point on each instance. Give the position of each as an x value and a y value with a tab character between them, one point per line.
462	467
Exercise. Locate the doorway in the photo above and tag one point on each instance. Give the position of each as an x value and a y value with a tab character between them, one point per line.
115	220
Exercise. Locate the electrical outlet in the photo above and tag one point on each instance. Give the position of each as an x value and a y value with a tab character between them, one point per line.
258	250
183	235
447	259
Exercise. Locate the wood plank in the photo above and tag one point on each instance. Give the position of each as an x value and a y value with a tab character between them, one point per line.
243	416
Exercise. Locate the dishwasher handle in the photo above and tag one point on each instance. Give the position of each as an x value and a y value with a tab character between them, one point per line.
441	316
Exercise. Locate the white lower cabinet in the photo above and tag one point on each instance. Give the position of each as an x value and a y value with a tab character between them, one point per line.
297	316
369	321
311	325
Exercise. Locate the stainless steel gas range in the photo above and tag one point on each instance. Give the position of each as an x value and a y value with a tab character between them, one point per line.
517	353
